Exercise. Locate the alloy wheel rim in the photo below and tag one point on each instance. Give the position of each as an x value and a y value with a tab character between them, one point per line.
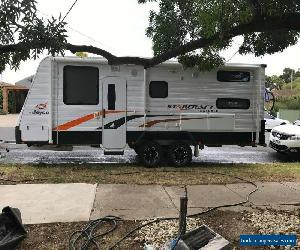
180	154
151	155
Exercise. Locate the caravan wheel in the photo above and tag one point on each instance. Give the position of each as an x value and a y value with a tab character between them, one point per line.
150	154
180	154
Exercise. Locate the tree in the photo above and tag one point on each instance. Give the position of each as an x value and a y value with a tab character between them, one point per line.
297	74
287	73
202	28
24	35
274	82
195	31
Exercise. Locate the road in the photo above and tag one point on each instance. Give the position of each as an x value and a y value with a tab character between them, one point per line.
81	155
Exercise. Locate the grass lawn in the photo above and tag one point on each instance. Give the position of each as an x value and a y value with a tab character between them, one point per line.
135	174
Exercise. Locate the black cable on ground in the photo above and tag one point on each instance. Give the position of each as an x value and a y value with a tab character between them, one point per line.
197	214
140	227
87	234
230	205
85	238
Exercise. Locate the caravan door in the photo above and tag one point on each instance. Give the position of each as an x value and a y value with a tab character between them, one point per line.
114	113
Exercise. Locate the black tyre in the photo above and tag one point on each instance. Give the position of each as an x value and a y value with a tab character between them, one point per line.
180	154
150	154
131	145
134	147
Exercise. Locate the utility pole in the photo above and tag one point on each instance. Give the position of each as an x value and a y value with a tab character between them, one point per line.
292	76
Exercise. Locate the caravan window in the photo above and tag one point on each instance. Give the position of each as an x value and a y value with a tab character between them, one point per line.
233	103
81	85
111	97
233	76
158	89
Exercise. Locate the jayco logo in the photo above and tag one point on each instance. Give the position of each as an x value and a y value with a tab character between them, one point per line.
40	109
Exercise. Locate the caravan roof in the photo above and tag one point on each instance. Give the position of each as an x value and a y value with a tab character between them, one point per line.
175	63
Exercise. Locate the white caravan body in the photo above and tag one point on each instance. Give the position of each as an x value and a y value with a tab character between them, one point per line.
85	101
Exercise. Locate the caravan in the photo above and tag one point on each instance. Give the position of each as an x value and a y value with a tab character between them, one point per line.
160	112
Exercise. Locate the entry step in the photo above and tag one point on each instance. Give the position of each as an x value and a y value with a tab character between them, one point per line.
113	152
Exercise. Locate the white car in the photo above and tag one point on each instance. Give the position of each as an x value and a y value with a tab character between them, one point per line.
286	138
297	122
272	121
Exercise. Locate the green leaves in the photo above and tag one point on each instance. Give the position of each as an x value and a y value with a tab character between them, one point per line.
19	24
180	22
268	42
172	26
194	31
205	61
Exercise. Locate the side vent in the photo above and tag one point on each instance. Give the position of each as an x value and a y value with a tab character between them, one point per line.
115	68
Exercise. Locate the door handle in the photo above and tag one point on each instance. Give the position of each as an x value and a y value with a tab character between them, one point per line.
103	113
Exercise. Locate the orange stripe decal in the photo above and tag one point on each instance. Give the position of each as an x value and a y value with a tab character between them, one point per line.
74	123
86	118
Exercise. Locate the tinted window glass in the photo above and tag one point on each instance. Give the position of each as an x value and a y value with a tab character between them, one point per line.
111	97
81	85
158	89
233	103
233	76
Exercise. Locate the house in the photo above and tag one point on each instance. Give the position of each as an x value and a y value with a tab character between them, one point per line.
18	94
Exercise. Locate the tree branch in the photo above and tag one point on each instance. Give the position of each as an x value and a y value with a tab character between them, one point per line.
272	23
112	59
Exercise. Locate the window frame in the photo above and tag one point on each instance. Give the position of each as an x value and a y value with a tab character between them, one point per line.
232	100
219	79
151	92
65	86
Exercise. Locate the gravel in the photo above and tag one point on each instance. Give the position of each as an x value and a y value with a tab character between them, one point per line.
160	233
274	222
265	221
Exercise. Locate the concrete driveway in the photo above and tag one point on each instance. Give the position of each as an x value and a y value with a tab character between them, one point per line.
45	203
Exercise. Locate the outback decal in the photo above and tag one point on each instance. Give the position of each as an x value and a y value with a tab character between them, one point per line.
40	109
121	121
200	108
154	122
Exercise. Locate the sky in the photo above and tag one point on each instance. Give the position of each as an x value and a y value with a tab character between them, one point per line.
119	27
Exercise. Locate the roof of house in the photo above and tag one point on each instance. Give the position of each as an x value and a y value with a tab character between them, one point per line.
11	86
25	82
4	84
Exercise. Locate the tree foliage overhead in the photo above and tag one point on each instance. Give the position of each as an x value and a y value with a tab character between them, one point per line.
24	35
179	22
194	31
